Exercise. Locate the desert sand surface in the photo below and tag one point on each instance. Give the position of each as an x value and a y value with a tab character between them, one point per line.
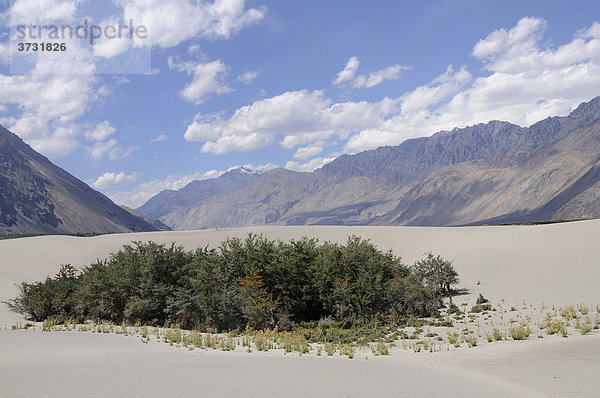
56	364
534	267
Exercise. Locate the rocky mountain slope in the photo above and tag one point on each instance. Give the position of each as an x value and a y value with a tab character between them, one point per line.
37	197
488	173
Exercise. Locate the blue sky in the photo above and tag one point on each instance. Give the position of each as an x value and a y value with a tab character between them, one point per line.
287	83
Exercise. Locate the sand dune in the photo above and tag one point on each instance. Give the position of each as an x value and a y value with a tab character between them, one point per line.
552	264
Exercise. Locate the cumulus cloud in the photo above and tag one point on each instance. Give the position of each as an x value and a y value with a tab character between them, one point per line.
505	51
61	88
49	107
308	152
522	81
525	83
348	75
435	91
111	180
175	21
50	101
299	116
101	132
207	78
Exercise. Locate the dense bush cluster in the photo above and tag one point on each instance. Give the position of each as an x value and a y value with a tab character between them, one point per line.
253	282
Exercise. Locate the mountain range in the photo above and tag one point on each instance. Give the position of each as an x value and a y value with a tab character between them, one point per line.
37	197
489	173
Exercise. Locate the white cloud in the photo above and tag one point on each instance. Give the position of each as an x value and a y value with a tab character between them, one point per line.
309	166
106	47
436	91
111	180
99	149
300	116
49	101
4	53
525	84
348	75
501	48
48	105
43	12
104	91
521	83
112	149
175	21
101	132
103	146
247	77
61	88
207	78
160	138
308	152
194	49
378	77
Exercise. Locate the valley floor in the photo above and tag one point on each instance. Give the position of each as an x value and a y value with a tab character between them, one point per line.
523	270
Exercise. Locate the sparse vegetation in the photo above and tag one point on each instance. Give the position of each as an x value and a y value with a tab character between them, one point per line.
453	338
520	332
553	327
586	328
300	297
482	304
471	340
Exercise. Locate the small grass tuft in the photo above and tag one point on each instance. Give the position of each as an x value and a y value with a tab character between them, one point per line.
520	332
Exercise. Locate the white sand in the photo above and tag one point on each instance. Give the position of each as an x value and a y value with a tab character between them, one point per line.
84	365
552	264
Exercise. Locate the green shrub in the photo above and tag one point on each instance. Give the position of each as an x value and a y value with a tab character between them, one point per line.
436	273
55	297
253	282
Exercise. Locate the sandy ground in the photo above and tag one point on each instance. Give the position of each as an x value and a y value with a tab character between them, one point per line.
59	364
555	264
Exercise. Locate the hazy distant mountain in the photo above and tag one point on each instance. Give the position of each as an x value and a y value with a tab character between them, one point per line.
37	197
157	224
488	173
167	204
